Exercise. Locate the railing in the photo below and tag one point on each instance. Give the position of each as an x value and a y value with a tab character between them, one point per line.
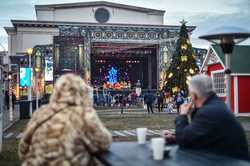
6	116
119	98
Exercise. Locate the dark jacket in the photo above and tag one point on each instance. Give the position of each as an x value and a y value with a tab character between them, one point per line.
160	97
149	98
179	100
213	128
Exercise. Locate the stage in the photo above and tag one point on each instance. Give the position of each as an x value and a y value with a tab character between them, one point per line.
124	63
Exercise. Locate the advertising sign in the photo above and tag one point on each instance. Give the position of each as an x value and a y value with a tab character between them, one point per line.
48	69
25	77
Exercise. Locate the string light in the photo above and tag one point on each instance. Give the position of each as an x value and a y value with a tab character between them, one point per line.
170	75
188	79
184	46
128	61
175	89
184	58
191	71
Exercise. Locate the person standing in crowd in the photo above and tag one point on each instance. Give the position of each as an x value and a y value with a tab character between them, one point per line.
182	92
67	131
149	99
123	102
116	99
160	99
102	97
213	127
13	100
7	99
109	99
96	96
134	98
129	99
179	100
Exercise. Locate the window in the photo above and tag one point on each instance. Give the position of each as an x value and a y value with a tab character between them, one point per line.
102	15
219	82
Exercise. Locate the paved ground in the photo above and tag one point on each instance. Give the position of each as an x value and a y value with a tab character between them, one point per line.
115	133
129	111
121	133
246	126
6	117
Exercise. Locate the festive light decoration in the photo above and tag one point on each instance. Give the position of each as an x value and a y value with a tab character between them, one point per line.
129	61
165	55
193	55
191	71
162	75
184	46
184	58
175	89
183	64
112	76
170	75
188	80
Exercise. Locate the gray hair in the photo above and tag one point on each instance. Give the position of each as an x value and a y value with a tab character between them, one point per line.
201	85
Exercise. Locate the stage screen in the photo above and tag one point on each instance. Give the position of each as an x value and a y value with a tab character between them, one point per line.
48	69
25	77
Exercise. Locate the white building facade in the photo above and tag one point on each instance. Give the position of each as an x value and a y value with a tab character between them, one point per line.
95	29
28	33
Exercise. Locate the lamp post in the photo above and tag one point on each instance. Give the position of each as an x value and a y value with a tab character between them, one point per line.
29	52
227	37
37	70
1	107
10	97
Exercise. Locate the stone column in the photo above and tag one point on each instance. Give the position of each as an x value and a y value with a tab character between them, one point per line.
57	56
56	62
158	66
87	52
81	58
149	71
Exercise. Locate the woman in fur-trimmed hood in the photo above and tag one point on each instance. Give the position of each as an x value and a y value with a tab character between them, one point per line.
67	131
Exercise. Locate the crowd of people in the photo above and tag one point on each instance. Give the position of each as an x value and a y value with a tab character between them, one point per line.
161	100
7	99
164	101
67	131
106	98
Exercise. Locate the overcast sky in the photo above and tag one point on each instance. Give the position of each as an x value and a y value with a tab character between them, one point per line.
205	14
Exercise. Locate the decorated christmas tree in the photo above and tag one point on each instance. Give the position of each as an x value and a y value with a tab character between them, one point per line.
183	64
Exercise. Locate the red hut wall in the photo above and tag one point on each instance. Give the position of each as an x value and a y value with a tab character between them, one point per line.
232	94
214	67
244	94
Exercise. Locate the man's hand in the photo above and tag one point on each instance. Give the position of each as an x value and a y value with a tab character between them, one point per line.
168	136
166	132
186	109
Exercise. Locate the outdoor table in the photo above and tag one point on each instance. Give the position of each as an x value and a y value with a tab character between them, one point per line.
133	154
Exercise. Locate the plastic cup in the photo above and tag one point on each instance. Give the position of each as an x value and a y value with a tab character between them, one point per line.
141	135
158	148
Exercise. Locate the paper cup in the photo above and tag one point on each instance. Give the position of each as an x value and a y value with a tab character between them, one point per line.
158	148
141	135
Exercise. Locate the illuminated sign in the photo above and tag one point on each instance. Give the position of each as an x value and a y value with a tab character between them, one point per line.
25	77
48	69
